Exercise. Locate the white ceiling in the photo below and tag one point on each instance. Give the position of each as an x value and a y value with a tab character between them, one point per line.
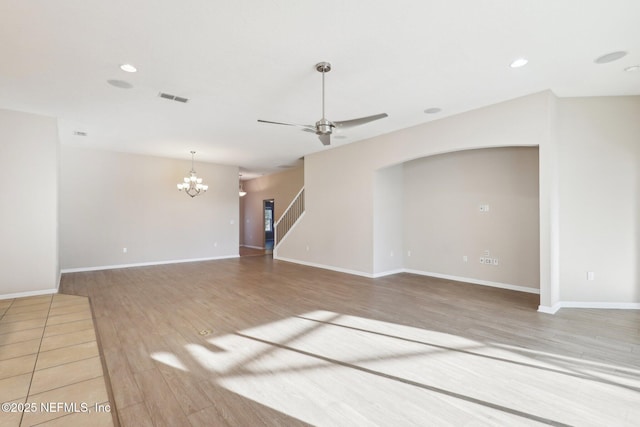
239	61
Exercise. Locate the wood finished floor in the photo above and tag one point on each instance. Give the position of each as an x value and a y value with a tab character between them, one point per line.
252	341
246	251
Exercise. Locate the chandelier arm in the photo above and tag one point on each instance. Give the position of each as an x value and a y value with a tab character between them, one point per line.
193	185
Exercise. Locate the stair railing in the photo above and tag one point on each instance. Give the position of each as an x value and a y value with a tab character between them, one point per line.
289	217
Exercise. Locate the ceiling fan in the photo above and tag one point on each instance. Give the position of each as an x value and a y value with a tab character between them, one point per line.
323	127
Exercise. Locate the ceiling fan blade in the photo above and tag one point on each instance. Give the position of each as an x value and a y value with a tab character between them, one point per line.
325	139
357	122
304	127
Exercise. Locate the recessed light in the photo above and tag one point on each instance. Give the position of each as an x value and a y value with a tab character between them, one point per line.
633	68
520	62
433	110
128	68
120	84
610	57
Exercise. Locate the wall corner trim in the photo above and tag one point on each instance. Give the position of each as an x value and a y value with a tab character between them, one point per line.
596	305
388	273
549	310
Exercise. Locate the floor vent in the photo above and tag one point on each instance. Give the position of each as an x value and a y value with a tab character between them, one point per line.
173	97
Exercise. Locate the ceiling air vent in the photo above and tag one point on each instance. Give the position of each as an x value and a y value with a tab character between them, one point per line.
173	97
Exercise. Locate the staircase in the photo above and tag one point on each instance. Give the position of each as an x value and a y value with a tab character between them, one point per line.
289	218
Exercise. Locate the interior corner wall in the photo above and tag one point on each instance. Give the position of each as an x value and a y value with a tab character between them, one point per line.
388	220
443	222
599	159
282	187
29	149
549	212
111	201
336	231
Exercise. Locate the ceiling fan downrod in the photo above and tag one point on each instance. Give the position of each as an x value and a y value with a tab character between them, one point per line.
323	126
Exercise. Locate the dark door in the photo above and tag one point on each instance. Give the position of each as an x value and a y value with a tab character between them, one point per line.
268	224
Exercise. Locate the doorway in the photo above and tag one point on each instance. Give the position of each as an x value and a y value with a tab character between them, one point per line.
269	238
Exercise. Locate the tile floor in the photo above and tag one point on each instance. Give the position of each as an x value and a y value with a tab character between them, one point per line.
50	363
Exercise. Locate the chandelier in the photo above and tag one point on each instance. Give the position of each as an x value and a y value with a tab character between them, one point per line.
192	185
241	191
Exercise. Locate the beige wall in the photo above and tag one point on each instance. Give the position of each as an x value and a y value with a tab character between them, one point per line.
589	158
28	204
443	222
599	156
589	193
337	229
282	187
388	208
111	201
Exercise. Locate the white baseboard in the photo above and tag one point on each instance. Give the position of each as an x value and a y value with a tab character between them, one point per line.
597	305
600	305
326	267
549	310
419	272
541	308
476	281
252	247
28	294
144	264
388	273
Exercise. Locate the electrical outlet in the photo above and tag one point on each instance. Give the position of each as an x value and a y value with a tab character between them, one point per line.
408	253
487	253
465	258
591	275
124	250
481	260
495	261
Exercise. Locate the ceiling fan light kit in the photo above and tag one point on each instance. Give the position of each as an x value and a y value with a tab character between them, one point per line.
324	127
